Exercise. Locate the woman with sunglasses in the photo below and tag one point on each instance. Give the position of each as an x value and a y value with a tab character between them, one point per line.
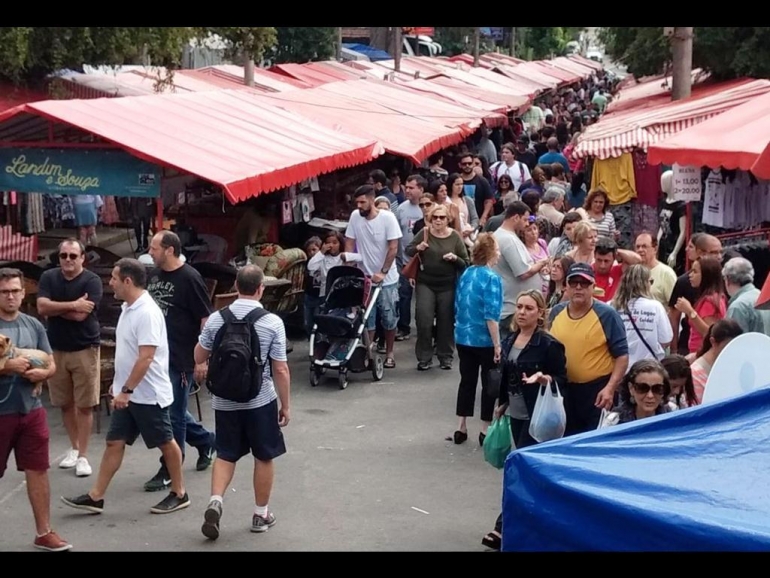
442	258
426	204
643	393
530	357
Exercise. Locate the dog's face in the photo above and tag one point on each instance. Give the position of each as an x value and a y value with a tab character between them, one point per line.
5	345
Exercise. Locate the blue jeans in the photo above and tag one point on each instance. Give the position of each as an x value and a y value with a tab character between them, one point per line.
186	429
312	302
404	306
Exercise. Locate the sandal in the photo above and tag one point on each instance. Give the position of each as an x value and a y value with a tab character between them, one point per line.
493	540
389	363
460	437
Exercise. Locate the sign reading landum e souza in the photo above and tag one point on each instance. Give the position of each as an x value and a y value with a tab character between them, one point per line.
77	172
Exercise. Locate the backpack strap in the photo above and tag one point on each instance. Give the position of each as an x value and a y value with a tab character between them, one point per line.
251	318
227	315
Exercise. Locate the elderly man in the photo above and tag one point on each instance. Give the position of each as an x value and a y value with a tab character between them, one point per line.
663	277
552	205
738	274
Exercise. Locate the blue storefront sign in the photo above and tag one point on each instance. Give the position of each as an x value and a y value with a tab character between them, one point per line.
77	172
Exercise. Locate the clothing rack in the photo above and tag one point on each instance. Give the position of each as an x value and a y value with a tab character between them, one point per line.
760	237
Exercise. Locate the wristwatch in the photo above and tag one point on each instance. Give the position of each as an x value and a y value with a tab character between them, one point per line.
384	271
124	389
693	315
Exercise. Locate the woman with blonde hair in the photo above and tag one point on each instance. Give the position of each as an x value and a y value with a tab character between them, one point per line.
584	239
648	329
531	357
442	258
478	307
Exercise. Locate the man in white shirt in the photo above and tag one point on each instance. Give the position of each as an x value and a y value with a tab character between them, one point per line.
141	390
374	235
516	266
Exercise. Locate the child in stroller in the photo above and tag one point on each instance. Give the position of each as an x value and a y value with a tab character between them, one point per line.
339	340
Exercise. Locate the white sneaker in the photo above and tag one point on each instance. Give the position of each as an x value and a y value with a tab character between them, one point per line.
70	459
82	468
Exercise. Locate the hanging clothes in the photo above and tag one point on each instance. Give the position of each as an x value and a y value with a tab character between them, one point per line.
34	221
647	179
714	200
616	176
58	210
110	214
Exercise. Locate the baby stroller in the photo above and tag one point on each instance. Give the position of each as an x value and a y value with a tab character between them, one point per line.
339	339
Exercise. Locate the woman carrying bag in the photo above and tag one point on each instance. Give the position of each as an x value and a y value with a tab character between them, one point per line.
530	357
441	256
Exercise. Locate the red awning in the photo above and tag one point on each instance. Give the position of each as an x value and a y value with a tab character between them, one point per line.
417	66
229	138
639	128
11	96
559	76
307	74
495	57
586	61
262	78
735	139
414	137
468	59
651	90
492	81
513	102
535	82
583	71
465	94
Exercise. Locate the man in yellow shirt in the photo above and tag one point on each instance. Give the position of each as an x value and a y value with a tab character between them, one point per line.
594	339
663	277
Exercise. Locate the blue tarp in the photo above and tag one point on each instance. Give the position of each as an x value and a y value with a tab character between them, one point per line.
374	54
691	480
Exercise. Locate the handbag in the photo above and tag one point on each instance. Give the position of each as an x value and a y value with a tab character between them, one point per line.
414	265
639	333
494	380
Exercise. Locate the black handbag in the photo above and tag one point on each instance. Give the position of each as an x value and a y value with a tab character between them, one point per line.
494	380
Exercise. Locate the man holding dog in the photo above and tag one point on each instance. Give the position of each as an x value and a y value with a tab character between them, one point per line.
23	420
69	297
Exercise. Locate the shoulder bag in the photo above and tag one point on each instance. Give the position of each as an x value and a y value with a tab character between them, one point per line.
414	265
639	333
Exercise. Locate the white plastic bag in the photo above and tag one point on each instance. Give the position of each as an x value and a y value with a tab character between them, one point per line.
549	420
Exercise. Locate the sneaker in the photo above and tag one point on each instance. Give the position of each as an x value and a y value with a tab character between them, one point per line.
211	518
83	468
260	524
204	459
52	542
424	366
70	460
160	481
446	365
381	348
85	502
171	503
401	336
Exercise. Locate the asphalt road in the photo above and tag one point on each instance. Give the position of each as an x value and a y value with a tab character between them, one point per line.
367	469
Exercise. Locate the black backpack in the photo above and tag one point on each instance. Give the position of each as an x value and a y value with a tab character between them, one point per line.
236	367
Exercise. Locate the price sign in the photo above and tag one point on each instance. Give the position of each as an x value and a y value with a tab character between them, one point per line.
686	183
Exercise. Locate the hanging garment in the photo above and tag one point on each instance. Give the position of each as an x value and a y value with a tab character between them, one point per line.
714	200
616	176
645	219
110	214
35	213
647	179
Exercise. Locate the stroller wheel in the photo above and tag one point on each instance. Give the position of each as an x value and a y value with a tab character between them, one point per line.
315	377
342	380
378	367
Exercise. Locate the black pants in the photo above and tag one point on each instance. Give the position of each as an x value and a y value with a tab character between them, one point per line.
473	359
141	230
579	400
521	439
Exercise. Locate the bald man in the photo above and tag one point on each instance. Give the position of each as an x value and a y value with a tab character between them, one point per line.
553	155
700	244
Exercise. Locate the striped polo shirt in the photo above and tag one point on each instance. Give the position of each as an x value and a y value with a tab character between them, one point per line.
272	345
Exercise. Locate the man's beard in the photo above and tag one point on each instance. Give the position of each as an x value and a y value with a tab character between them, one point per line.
365	212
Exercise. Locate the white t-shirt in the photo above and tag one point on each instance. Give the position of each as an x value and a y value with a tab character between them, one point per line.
371	237
652	320
714	200
142	323
514	261
519	173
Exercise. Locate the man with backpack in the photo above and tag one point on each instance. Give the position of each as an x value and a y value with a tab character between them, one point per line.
245	347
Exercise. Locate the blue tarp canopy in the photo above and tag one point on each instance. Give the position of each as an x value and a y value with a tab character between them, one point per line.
691	480
374	54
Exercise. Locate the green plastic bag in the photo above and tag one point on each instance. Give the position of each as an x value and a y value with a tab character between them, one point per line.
497	444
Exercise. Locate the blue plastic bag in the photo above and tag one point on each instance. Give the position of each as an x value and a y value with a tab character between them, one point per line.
497	444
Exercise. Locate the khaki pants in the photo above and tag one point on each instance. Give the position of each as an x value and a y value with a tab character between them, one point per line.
76	380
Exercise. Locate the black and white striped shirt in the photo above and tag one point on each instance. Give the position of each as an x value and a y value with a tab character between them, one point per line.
272	345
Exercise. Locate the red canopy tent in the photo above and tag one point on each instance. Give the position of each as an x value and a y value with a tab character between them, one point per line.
225	137
586	62
468	59
649	90
502	97
536	79
464	94
552	69
583	71
11	96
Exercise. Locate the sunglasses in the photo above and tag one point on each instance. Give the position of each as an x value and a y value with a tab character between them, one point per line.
644	388
438	217
583	283
423	205
71	256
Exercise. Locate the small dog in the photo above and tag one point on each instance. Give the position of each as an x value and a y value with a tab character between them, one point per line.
38	359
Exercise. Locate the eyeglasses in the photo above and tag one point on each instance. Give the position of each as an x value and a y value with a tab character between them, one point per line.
70	256
644	388
9	292
583	283
438	217
423	205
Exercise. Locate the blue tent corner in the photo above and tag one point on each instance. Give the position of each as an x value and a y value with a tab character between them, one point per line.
373	54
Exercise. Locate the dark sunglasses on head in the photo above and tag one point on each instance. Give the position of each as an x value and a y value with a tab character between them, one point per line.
71	256
644	388
584	283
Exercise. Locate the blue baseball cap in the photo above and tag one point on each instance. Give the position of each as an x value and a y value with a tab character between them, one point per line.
581	270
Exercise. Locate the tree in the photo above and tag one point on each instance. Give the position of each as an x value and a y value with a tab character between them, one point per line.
28	55
726	52
249	42
305	44
545	41
455	40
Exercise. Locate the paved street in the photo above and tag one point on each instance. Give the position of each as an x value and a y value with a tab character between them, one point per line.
359	462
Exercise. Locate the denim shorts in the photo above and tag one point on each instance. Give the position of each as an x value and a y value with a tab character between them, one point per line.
387	306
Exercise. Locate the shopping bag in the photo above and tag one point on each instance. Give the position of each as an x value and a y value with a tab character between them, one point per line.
497	444
549	420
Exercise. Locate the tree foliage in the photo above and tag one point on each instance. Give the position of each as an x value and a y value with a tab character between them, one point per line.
304	44
245	41
726	52
543	41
